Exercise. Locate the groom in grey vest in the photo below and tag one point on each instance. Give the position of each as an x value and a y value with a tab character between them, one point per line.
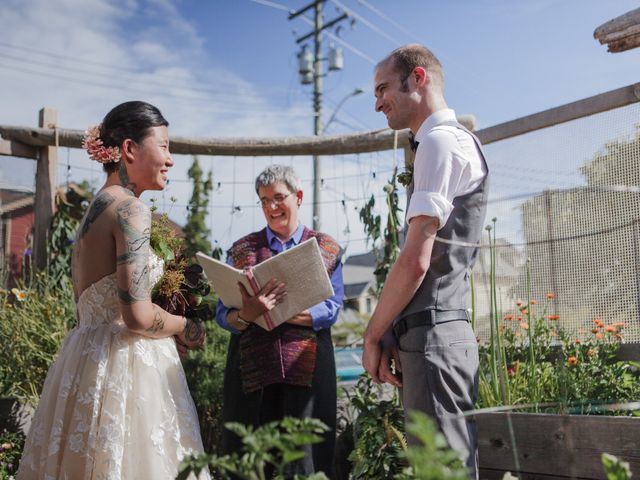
422	319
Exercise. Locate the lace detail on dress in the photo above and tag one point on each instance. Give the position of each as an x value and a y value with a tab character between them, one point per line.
115	405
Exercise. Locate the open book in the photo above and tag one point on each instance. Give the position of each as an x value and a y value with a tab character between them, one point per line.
300	268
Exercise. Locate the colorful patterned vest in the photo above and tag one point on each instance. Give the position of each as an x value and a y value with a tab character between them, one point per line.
286	354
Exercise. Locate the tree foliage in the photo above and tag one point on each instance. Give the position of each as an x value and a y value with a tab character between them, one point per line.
196	231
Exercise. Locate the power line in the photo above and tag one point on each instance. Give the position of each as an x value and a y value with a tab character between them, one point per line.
367	23
389	19
267	3
197	101
333	37
110	68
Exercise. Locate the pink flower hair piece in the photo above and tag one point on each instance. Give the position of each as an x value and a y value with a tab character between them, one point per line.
96	150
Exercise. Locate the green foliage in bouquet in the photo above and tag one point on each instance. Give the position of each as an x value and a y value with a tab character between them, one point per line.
269	447
183	289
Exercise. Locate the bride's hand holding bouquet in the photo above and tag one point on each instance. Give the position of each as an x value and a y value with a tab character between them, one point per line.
182	289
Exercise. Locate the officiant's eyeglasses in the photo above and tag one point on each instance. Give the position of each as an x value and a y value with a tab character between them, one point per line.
273	202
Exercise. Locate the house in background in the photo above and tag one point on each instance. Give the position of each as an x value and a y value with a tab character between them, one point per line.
360	284
359	299
16	229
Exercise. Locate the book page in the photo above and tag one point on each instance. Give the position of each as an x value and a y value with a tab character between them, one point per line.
224	280
306	280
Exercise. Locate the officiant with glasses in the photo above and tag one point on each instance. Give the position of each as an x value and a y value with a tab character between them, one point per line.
302	382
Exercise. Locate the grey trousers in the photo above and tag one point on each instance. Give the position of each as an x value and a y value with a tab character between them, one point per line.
440	378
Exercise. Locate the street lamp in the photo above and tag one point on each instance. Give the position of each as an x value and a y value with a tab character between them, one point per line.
357	91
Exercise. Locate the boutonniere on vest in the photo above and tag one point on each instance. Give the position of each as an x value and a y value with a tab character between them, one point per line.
406	177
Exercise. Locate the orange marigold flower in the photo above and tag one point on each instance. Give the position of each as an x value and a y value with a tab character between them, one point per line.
550	295
595	330
519	317
610	329
524	325
578	342
599	336
553	317
572	360
519	303
508	316
598	322
525	311
532	302
591	352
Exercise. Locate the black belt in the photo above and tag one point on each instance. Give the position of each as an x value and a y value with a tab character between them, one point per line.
428	318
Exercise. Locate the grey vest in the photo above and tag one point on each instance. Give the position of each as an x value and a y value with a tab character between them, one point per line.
446	284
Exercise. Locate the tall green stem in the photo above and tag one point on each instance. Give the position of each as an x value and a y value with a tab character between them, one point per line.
532	354
495	382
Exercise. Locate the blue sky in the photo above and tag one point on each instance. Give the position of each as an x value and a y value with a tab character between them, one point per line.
227	68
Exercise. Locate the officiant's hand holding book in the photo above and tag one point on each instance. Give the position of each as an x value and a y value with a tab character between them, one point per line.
263	301
301	270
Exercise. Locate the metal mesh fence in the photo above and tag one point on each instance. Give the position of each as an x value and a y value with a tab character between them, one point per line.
566	200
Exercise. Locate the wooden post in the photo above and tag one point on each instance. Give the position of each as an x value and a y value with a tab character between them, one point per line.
46	181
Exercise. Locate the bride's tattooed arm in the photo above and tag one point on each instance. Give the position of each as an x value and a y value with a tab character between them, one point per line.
134	221
134	289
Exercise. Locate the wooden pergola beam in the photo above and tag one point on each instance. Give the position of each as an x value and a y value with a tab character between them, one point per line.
316	145
620	34
378	140
13	148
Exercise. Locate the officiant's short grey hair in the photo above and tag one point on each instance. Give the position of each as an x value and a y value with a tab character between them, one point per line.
276	174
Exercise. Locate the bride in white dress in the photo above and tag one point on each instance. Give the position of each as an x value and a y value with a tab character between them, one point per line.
115	404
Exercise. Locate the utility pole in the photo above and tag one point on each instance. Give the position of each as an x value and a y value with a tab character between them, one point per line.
310	69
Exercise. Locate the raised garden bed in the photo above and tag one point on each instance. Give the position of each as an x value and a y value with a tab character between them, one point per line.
545	446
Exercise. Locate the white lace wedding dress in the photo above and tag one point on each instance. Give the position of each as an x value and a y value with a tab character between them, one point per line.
115	405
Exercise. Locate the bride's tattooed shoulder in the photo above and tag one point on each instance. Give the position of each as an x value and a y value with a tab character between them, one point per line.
98	206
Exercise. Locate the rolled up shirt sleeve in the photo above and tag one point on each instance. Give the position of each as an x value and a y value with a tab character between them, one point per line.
325	314
438	173
222	311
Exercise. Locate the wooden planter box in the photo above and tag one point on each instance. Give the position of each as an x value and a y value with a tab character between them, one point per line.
543	446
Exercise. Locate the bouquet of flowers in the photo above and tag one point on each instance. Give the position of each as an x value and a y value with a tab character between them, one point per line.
183	288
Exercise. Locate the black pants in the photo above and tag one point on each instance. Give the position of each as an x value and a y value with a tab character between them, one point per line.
279	400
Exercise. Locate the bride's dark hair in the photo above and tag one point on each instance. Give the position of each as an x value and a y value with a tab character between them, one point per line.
132	120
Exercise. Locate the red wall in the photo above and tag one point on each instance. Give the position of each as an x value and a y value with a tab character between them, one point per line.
20	234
